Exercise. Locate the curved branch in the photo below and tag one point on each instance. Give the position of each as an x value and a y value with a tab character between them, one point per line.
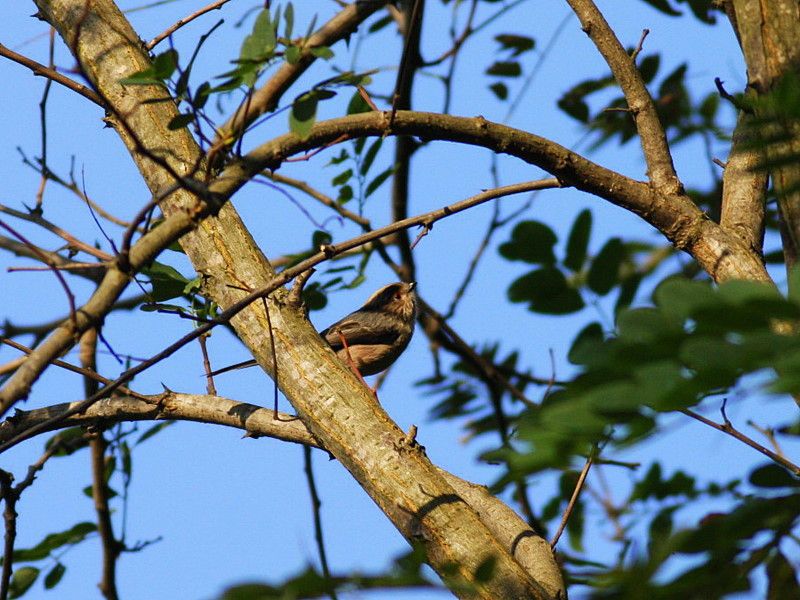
720	254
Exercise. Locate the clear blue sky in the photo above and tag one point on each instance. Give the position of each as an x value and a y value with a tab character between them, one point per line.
229	509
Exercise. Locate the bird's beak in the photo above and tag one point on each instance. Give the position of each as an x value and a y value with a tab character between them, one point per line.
411	286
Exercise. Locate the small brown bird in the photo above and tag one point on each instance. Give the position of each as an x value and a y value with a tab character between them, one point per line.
373	337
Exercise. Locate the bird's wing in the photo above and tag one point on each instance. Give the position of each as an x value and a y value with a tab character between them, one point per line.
358	330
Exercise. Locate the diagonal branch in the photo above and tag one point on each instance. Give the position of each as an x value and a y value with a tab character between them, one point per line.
660	169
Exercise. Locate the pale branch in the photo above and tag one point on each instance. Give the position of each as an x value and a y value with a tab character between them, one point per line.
181	22
266	98
651	132
52	74
257	421
769	34
744	189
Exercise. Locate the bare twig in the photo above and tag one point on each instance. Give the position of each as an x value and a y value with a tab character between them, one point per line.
59	231
52	74
316	506
320	197
727	427
573	499
53	268
98	445
181	22
287	275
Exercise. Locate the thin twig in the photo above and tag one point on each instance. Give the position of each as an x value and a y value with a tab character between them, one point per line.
73	368
181	22
287	275
98	446
573	500
59	231
52	74
316	505
43	121
640	45
727	427
210	387
319	196
56	272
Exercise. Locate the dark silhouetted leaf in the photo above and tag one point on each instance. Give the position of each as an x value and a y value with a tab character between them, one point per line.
604	272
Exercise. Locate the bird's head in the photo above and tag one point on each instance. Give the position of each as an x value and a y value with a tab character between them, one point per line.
398	298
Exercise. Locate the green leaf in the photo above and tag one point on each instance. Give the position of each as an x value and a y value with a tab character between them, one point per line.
73	535
685	298
260	44
531	242
21	581
303	115
151	431
357	105
578	241
546	290
54	576
342	177
292	55
322	52
516	43
585	343
782	578
378	181
320	238
167	282
773	476
500	90
380	24
604	272
161	69
370	155
505	69
180	121
288	16
663	6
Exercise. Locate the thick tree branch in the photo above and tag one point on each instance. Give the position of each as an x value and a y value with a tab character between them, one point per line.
660	169
769	34
744	190
256	421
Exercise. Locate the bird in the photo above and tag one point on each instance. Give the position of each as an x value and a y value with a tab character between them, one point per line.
371	338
